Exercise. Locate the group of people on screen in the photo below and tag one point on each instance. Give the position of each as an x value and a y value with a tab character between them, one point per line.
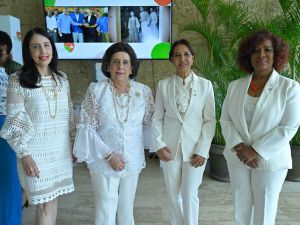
81	25
144	28
259	117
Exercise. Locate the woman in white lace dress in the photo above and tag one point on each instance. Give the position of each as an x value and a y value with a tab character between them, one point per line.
37	125
110	135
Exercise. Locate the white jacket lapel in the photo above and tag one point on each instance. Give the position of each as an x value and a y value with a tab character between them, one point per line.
243	90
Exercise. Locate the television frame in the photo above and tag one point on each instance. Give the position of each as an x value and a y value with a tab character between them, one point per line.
158	52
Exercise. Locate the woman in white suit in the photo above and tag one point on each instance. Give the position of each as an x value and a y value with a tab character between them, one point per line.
183	127
259	117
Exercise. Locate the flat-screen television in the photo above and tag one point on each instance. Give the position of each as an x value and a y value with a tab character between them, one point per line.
84	29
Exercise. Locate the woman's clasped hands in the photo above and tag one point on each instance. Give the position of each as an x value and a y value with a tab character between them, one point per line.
247	155
116	161
164	154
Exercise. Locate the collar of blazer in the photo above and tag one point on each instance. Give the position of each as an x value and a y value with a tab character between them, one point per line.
243	90
171	92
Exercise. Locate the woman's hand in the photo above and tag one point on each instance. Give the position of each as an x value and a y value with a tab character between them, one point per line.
164	154
197	160
247	155
116	162
74	159
253	163
30	166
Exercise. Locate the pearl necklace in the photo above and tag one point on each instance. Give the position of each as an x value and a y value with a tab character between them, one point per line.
117	102
49	99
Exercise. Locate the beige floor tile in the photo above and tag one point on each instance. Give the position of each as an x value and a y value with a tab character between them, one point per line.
151	206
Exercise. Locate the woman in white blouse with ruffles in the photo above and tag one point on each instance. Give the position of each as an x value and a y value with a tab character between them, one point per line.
110	135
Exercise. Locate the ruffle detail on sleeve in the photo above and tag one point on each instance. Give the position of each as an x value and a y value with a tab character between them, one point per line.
89	146
18	130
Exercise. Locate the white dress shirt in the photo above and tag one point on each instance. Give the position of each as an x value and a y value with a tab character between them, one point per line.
51	23
183	89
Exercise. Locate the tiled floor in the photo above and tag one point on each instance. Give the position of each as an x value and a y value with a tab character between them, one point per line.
150	205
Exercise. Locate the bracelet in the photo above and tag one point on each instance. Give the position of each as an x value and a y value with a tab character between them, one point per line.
109	157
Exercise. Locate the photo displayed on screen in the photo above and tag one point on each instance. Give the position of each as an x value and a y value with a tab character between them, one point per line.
140	24
85	29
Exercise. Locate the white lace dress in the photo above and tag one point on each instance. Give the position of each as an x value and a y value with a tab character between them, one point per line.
102	128
31	129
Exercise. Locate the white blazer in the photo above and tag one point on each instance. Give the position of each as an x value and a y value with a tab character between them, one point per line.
195	130
275	121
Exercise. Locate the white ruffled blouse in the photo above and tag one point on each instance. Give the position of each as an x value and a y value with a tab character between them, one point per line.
183	89
102	128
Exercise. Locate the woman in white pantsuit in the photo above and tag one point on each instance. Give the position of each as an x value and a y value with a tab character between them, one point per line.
260	115
110	135
183	127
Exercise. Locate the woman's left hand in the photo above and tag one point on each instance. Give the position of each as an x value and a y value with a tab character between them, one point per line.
247	154
74	159
197	160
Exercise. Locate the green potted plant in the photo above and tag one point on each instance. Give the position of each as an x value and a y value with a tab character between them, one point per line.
288	26
294	174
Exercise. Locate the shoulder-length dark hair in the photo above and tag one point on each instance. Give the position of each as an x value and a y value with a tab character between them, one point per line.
249	43
120	47
181	42
29	75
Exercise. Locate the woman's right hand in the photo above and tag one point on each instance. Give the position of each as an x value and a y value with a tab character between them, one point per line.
30	166
164	154
116	162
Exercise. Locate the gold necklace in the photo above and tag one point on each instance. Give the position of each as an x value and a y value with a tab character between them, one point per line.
49	99
116	102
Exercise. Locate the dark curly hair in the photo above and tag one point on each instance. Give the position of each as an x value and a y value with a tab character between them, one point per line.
120	47
181	42
5	40
249	43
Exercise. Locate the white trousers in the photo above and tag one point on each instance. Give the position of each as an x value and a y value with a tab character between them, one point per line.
77	37
255	194
114	199
182	183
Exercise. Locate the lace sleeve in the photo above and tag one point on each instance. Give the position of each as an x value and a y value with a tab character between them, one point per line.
89	108
17	128
148	117
88	144
149	106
